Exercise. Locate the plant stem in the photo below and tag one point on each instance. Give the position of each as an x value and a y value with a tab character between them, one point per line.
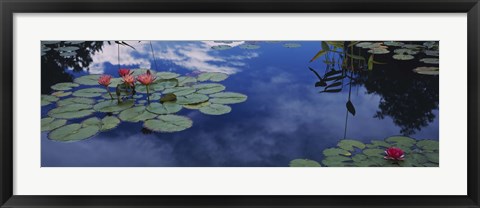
108	90
148	95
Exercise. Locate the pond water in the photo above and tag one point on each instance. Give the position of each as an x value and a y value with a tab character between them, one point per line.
285	116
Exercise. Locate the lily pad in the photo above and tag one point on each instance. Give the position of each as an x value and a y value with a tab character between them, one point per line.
221	47
91	79
401	141
136	114
212	76
68	54
304	163
432	157
164	84
430	44
431	53
197	105
249	46
73	132
227	98
89	92
209	88
48	99
113	106
180	91
191	99
71	111
64	86
168	123
50	42
215	109
378	144
378	51
136	72
169	97
428	145
67	48
107	123
291	45
412	46
336	151
405	51
350	145
50	123
364	44
337	161
183	81
426	70
403	57
155	96
374	152
430	60
76	100
167	75
165	108
393	43
61	93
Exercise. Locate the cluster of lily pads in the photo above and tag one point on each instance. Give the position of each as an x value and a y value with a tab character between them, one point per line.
406	52
250	45
169	94
354	153
64	51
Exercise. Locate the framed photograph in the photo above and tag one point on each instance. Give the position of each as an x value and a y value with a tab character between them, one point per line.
239	104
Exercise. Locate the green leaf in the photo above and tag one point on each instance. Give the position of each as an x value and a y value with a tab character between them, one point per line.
113	106
209	88
136	114
180	91
48	99
377	143
91	79
432	157
378	51
49	123
370	62
325	46
71	111
165	108
364	44
350	145
197	105
191	99
73	132
304	163
355	57
212	76
76	100
374	152
426	70
167	75
136	72
64	86
227	98
61	93
336	151
350	108
221	47
403	57
249	46
109	122
215	109
182	81
428	145
401	140
337	161
168	123
320	53
393	43
164	84
89	92
405	51
170	97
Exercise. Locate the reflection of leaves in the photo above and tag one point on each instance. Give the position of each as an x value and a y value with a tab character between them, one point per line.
320	53
350	107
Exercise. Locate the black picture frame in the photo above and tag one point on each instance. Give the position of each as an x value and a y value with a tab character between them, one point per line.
9	7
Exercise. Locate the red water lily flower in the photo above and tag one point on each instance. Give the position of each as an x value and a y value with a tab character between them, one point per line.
123	72
394	153
147	78
105	80
129	80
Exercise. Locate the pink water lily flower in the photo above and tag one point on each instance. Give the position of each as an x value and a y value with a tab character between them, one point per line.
147	78
394	153
123	72
105	80
129	80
